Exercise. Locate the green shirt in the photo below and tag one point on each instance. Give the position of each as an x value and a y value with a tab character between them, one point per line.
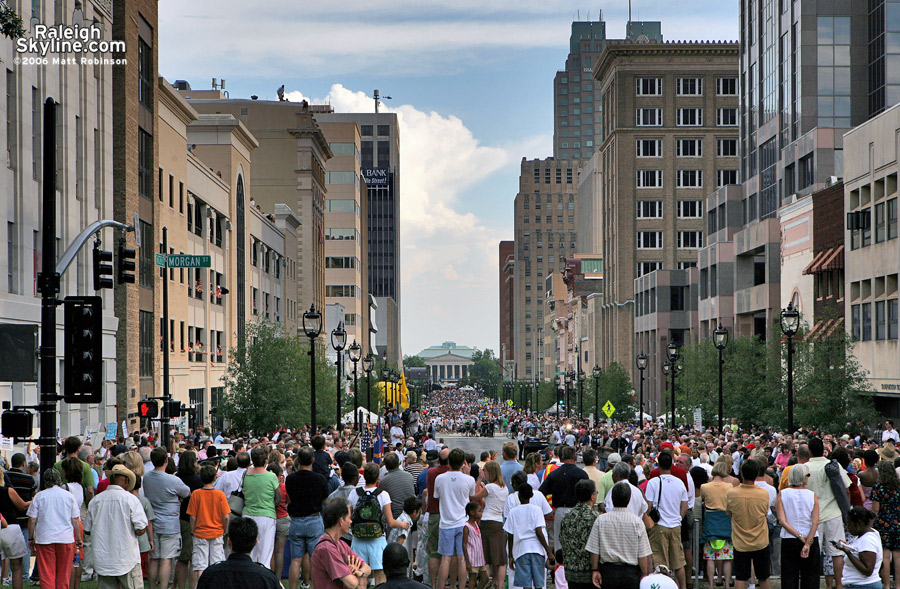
259	494
606	483
87	476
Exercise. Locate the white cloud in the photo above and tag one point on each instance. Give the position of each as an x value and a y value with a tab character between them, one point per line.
448	255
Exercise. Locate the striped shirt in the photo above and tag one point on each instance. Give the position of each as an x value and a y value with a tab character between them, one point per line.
619	536
474	548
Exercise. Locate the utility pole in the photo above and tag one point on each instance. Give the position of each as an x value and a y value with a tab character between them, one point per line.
167	394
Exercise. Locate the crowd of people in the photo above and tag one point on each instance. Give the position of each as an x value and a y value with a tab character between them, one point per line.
615	505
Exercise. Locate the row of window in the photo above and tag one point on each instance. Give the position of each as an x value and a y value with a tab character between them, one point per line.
684	86
342	290
264	308
885	225
271	260
684	117
653	209
685	147
885	321
559	219
648	267
653	240
683	178
548	173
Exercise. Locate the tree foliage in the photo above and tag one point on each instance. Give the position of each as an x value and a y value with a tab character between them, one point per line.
413	362
267	382
485	368
11	25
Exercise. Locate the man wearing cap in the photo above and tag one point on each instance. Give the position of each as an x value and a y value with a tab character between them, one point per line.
115	518
606	481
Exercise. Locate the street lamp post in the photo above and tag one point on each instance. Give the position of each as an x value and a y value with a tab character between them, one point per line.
596	373
312	327
720	339
338	341
642	365
568	381
790	322
368	365
666	366
581	394
355	350
673	356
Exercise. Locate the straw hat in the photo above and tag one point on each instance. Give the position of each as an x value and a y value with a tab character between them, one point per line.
888	452
122	470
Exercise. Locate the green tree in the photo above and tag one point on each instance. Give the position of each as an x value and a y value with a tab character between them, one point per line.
614	386
267	382
11	25
413	362
485	367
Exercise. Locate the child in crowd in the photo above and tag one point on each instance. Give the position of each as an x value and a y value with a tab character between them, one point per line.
528	549
145	541
473	549
559	573
209	513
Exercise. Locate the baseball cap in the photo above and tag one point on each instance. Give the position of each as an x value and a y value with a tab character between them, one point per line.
432	455
751	446
666	446
614	458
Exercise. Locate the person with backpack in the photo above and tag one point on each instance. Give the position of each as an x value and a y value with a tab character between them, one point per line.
371	517
832	506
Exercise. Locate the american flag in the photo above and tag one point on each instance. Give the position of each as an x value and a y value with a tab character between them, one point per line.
365	441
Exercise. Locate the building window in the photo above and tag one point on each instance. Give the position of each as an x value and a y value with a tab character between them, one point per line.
689	178
648	86
12	258
365	130
892	319
649	179
648	117
689	117
689	86
879	223
648	267
650	240
726	117
854	323
690	209
537	175
649	209
384	130
726	87
145	337
690	239
145	163
726	147
892	218
880	323
689	147
649	148
726	177
146	255
866	320
676	298
686	265
145	74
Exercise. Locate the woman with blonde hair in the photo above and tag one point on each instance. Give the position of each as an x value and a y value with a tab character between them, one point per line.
716	538
133	461
729	461
534	463
492	535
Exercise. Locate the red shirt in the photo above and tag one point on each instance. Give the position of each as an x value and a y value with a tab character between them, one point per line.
434	504
677	471
329	563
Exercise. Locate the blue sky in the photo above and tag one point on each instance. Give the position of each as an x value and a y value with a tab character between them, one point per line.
472	83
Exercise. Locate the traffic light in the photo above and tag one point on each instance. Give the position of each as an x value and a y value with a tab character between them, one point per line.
126	267
83	350
16	423
171	408
148	409
102	270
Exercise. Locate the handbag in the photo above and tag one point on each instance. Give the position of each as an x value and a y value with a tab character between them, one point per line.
654	511
236	499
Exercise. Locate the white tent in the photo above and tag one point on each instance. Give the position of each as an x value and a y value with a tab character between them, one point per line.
348	417
554	409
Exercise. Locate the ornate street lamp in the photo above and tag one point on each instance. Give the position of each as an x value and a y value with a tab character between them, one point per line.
581	394
368	365
720	340
790	323
338	341
312	327
673	356
596	373
642	365
355	351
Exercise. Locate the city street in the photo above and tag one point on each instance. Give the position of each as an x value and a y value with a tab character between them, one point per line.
475	445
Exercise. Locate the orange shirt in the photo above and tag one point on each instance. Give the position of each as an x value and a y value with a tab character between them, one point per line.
208	506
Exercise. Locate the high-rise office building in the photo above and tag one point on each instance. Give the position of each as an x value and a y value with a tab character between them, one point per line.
507	264
380	167
670	137
577	113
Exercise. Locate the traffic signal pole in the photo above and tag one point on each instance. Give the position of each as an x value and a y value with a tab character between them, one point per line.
167	395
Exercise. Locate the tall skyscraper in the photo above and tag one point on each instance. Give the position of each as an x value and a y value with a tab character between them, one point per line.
380	167
507	264
577	113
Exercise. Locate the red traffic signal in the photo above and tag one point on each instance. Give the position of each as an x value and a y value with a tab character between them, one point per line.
148	409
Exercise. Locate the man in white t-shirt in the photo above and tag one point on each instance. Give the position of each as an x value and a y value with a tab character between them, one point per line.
454	489
669	495
637	504
890	434
396	435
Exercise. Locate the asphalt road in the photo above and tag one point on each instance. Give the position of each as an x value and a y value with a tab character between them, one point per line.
475	445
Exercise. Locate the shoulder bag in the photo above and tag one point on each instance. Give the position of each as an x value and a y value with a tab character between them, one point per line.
654	511
236	499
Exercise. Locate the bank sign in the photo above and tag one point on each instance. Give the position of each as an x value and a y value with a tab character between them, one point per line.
376	176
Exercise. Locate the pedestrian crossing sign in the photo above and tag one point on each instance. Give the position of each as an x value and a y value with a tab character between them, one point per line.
509	402
609	409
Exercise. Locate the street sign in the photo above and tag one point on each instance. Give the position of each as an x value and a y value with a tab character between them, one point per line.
509	402
609	409
184	261
698	418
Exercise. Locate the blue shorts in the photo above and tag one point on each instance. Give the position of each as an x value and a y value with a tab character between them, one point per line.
305	532
530	570
450	541
371	551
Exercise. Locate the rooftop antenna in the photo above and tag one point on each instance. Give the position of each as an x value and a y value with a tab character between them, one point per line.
377	97
214	86
629	21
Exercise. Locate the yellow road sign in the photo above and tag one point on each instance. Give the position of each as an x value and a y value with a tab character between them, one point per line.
609	409
509	402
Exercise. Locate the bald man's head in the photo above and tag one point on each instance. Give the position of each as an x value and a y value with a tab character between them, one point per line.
444	457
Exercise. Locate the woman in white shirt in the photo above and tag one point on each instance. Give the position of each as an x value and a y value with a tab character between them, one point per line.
492	535
53	518
864	554
797	509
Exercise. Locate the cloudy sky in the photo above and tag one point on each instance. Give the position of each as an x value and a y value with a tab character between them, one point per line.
472	85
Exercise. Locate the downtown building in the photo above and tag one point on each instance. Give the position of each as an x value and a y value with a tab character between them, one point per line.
670	137
85	189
